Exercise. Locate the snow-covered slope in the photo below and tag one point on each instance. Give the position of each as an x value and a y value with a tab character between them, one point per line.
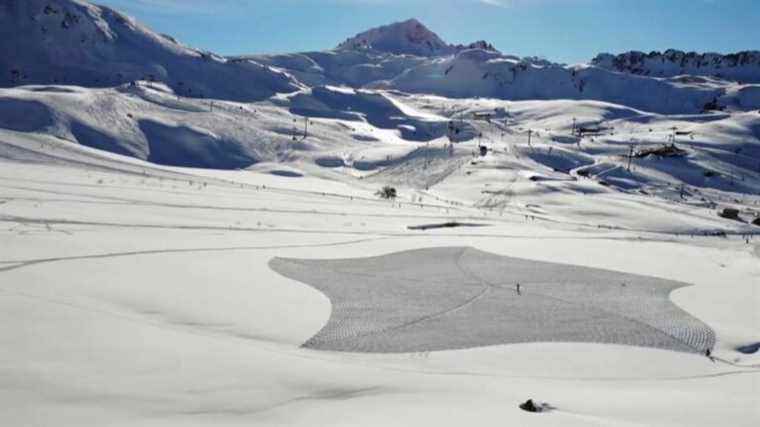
138	295
150	122
355	68
73	42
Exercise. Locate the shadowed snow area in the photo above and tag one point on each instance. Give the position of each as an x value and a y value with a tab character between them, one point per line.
91	137
457	297
24	116
184	146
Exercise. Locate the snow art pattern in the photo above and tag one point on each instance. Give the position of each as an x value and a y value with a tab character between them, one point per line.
457	298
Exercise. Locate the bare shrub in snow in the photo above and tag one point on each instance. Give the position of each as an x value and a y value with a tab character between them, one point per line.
387	192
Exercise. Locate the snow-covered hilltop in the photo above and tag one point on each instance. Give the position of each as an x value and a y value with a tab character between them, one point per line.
73	42
740	66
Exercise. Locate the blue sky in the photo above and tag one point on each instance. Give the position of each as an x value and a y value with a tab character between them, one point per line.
560	30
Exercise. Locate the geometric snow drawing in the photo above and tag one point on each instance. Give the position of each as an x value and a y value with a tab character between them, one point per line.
459	297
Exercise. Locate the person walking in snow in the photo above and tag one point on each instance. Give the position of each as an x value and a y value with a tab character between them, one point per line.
518	289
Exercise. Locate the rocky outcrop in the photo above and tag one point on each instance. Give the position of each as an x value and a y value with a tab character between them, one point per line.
740	66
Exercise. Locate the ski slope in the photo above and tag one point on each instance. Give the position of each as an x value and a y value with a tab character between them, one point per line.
136	294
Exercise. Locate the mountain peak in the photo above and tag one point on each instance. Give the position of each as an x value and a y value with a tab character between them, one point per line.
410	37
406	37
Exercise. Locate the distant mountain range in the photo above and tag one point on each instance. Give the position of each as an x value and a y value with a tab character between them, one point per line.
740	66
77	43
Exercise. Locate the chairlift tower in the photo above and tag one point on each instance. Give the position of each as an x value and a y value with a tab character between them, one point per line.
673	135
630	154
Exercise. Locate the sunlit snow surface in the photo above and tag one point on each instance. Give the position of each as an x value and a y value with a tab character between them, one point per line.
457	297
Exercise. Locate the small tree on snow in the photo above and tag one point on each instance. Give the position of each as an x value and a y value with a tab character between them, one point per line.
387	192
